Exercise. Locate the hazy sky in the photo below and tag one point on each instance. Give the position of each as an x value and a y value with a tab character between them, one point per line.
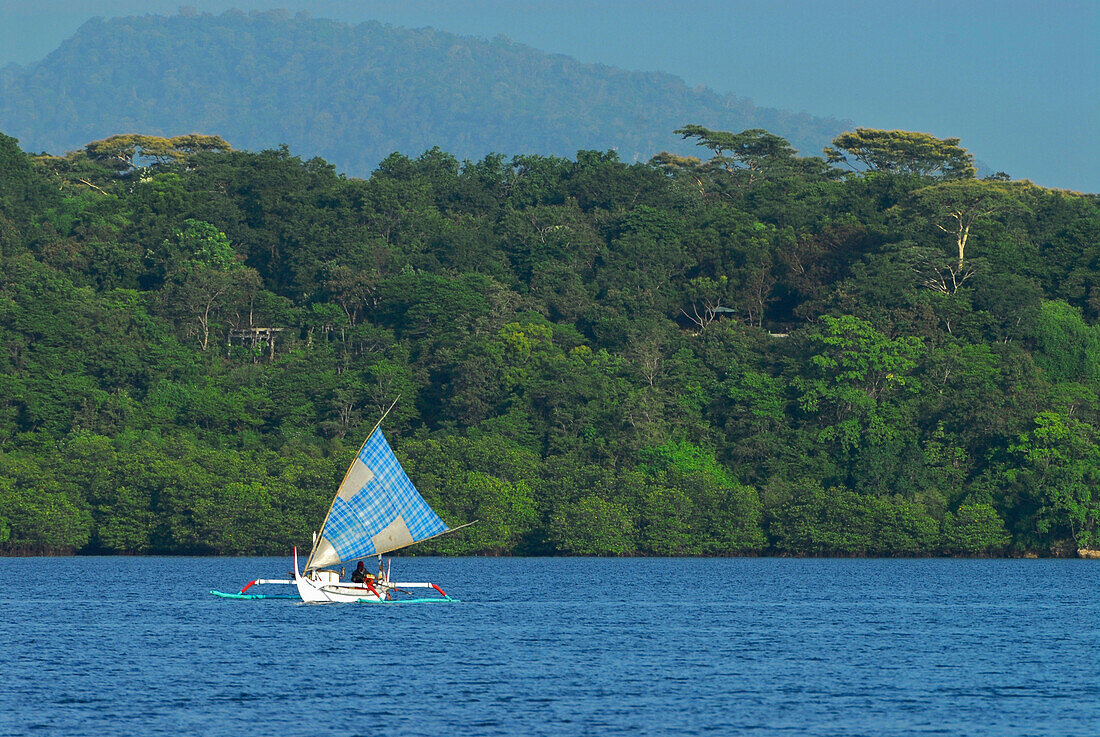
1017	80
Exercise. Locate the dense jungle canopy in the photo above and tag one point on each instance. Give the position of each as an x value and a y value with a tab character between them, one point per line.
750	352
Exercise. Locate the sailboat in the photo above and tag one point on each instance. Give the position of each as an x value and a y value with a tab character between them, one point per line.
376	510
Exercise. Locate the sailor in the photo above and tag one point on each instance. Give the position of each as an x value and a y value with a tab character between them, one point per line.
360	574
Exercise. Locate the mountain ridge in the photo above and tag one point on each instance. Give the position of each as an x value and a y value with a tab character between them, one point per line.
355	94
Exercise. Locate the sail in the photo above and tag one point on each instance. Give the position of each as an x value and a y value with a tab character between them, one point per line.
376	510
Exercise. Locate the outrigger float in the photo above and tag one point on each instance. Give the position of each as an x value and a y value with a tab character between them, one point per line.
376	510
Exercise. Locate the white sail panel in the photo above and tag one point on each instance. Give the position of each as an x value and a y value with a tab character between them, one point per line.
323	555
357	477
396	535
384	512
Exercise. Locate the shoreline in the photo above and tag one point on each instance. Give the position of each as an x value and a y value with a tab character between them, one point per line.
1029	555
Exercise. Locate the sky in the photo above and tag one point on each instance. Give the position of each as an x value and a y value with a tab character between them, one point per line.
1017	80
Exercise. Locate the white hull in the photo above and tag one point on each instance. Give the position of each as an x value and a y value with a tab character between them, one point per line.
325	587
316	590
322	587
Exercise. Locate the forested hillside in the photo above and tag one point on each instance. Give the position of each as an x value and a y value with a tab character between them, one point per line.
749	352
355	94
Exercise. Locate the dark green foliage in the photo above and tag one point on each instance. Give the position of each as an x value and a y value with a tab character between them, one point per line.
592	357
974	529
720	516
1068	347
841	522
23	195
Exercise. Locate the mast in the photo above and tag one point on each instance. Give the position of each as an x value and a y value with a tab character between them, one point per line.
321	533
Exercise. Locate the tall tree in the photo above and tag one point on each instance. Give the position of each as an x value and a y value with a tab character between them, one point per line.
1056	470
751	154
124	152
903	152
205	277
954	208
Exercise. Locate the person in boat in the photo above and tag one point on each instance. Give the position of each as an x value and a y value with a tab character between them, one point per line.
360	575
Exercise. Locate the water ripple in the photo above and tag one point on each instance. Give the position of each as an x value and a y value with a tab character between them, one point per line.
557	647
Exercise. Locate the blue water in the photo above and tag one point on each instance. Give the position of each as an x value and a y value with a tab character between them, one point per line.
136	646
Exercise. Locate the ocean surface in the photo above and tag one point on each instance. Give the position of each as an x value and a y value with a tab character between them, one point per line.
556	646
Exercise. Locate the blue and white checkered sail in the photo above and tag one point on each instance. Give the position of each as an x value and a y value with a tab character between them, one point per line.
376	510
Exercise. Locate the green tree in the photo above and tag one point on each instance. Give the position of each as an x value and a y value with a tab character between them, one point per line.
1056	470
124	152
22	195
840	522
666	519
205	279
755	153
593	525
974	529
505	511
903	152
723	516
41	511
855	373
954	208
1068	347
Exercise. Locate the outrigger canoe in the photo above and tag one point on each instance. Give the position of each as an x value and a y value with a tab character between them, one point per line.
376	510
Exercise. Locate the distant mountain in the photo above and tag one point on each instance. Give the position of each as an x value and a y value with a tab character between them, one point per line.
355	94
